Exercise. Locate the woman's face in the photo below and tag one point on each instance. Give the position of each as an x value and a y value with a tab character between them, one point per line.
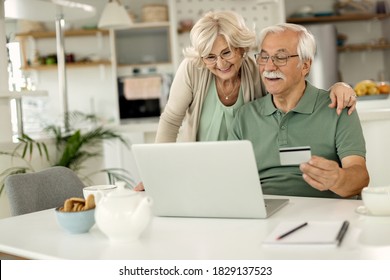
223	62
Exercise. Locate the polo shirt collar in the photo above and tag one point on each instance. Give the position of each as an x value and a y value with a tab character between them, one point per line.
305	105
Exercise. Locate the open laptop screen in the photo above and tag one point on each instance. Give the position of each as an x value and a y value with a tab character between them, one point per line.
202	179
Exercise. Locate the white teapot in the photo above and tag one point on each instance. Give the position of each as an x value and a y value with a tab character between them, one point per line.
123	214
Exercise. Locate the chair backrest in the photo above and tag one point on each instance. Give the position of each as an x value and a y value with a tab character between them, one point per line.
42	190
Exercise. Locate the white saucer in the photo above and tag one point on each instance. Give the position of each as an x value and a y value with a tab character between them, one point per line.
362	210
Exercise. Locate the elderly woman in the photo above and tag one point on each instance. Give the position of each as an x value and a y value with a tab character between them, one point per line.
217	77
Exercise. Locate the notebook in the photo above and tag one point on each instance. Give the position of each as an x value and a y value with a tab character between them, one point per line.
317	233
203	179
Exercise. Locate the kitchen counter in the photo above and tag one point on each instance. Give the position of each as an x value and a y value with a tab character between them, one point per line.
375	119
374	108
374	114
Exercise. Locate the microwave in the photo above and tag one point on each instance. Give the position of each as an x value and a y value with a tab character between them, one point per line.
140	96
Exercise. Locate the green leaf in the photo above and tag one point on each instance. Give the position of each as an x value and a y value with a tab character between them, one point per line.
31	146
46	151
24	150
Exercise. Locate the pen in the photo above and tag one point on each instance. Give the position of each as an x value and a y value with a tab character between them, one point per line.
342	232
291	231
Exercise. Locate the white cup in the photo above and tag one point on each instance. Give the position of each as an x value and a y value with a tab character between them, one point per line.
98	190
377	200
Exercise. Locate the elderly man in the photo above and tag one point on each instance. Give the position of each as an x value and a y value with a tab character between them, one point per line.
295	113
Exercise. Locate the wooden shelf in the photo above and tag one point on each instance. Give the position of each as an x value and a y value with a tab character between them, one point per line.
363	47
24	93
93	32
141	65
52	34
346	17
141	26
68	65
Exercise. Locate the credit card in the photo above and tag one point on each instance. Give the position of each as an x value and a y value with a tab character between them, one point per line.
294	155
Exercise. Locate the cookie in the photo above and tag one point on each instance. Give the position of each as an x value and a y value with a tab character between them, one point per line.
90	202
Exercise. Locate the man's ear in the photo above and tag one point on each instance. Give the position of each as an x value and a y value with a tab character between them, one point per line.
306	67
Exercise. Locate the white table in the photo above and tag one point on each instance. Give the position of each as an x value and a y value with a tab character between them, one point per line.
38	236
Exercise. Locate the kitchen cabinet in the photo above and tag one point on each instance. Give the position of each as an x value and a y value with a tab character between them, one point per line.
146	46
144	49
143	44
143	57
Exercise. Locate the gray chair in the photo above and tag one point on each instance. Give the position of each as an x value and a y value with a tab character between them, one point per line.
42	190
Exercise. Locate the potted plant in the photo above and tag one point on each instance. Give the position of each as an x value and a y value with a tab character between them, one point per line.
73	149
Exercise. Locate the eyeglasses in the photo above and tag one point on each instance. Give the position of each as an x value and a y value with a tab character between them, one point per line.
225	55
278	60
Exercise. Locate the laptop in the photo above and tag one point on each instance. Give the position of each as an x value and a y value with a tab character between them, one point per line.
216	179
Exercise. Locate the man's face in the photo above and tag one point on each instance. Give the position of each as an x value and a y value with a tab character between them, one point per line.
285	73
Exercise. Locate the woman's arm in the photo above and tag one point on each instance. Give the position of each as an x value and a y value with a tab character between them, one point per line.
180	97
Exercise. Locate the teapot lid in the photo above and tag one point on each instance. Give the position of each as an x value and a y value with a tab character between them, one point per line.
121	190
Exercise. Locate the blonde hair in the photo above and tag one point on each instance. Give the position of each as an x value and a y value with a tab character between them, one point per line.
205	31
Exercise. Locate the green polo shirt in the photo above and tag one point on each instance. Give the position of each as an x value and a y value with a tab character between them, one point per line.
312	123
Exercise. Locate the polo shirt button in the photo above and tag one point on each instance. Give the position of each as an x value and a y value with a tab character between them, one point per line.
283	127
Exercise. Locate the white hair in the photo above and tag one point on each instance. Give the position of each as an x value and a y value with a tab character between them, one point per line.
306	48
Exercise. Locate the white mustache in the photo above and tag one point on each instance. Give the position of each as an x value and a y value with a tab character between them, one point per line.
274	75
